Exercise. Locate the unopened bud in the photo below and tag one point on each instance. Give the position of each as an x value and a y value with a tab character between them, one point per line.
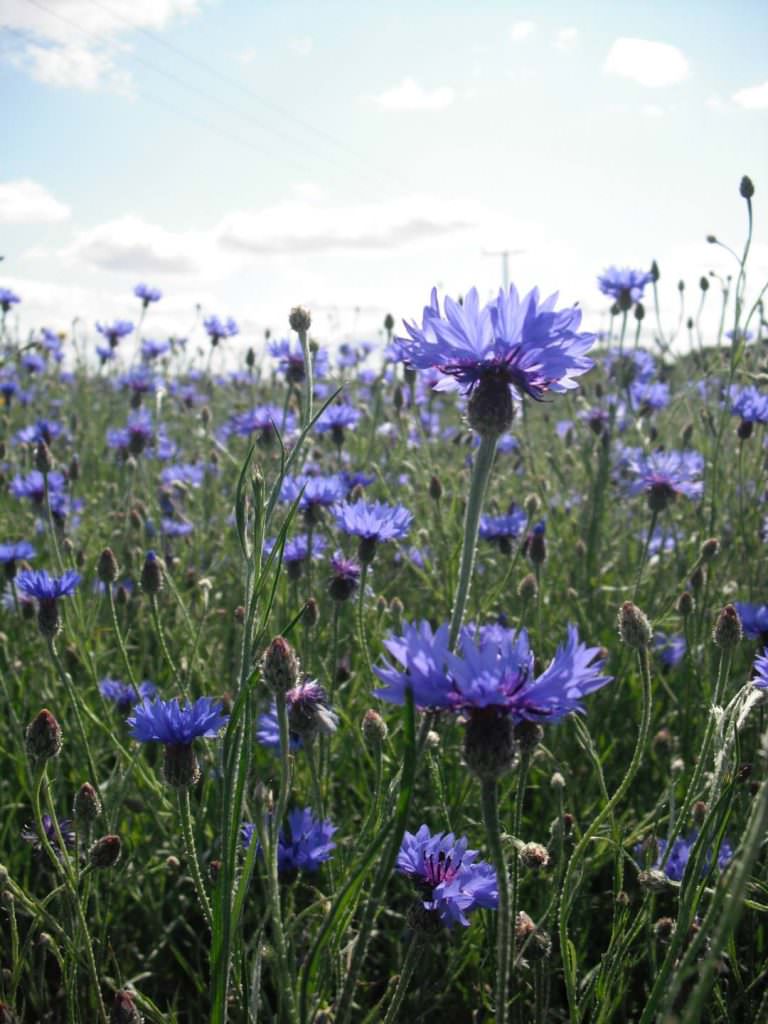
704	284
699	812
532	504
124	1009
280	666
43	458
527	588
311	613
634	627
105	852
664	928
87	805
727	631
152	574
107	569
435	488
534	856
43	737
374	729
709	549
299	319
655	272
746	188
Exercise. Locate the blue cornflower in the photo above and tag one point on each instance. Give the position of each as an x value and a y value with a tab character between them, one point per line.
336	419
670	649
502	528
636	366
448	875
153	349
663	475
624	284
760	670
268	732
32	362
678	858
650	396
32	485
175	527
218	329
264	420
135	436
14	552
140	381
296	551
290	355
751	405
170	722
40	430
8	299
423	655
115	331
125	696
754	619
345	576
105	353
147	294
30	834
511	343
38	584
304	842
317	493
190	473
373	522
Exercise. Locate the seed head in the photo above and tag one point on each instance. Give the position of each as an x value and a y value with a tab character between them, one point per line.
534	856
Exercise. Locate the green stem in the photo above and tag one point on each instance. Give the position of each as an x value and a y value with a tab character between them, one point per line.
119	635
566	895
75	699
411	962
481	474
490	803
185	810
164	646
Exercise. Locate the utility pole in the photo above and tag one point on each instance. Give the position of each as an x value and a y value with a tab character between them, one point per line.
505	254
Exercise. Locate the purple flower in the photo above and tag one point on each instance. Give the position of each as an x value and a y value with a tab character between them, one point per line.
41	430
750	404
140	381
624	284
38	584
189	473
268	733
218	329
290	355
32	486
115	331
663	475
265	420
170	722
153	349
304	842
135	436
523	343
318	492
670	649
678	858
345	576
16	552
296	551
8	299
30	834
754	620
373	520
147	294
497	528
448	875
760	670
32	362
423	655
336	419
125	696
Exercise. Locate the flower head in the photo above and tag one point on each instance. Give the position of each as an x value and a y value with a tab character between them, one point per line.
663	475
30	834
449	877
8	299
304	842
345	576
373	521
170	722
38	584
677	862
115	331
125	696
624	284
147	294
218	329
309	712
754	620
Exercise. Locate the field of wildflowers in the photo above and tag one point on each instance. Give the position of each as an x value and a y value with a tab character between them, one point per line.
414	680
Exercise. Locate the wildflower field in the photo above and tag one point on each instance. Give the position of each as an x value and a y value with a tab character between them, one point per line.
411	679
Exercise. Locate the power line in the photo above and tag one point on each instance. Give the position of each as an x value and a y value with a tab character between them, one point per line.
283	112
302	164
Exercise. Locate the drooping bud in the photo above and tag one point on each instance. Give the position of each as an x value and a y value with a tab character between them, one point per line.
634	627
374	729
280	666
105	852
43	738
727	631
107	569
87	806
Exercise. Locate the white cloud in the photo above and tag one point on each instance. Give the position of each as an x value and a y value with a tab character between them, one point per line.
75	44
755	97
566	38
301	46
715	102
304	227
131	244
27	202
648	63
521	30
651	110
409	95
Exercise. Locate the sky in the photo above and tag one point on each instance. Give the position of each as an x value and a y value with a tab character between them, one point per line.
248	156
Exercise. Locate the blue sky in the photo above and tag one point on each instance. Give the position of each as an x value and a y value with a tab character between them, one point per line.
248	156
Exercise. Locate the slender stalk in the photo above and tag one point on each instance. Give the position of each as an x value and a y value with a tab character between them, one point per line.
119	635
481	474
185	811
410	963
517	817
75	699
164	646
490	802
567	896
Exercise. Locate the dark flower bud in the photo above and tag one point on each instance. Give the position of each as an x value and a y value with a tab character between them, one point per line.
530	941
43	458
173	864
662	741
639	312
366	550
214	870
374	729
180	767
239	615
634	627
299	320
689	323
528	735
107	569
124	1009
205	416
704	284
727	631
712	239
681	286
687	434
43	738
105	852
527	588
280	666
745	429
435	488
744	772
490	750
664	928
685	604
73	471
311	613
343	670
531	504
746	188
87	806
121	596
250	358
152	574
709	549
533	856
537	547
490	410
389	322
699	812
655	272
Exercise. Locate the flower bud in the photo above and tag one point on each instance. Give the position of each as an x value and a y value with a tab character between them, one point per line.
105	852
311	613
43	458
374	729
685	604
727	631
435	488
664	928
557	781
124	1009
87	805
746	188
107	569
709	549
634	627
534	856
528	588
531	941
43	737
280	666
152	574
532	505
299	319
